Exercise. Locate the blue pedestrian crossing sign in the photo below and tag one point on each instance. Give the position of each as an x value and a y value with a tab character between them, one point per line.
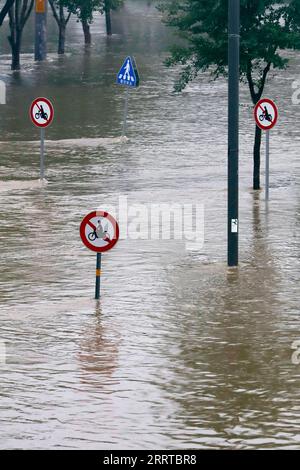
128	74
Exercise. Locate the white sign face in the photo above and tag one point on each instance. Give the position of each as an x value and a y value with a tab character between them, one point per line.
41	112
266	114
99	231
234	225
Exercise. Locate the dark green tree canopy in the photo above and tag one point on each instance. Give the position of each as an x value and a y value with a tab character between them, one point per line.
84	9
267	28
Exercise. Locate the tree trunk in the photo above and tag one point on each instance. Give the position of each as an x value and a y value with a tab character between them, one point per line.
15	65
87	32
18	16
16	51
256	155
108	18
61	39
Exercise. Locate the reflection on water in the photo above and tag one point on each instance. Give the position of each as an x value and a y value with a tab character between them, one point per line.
180	352
98	354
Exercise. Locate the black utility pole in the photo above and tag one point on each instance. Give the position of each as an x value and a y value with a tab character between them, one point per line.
233	131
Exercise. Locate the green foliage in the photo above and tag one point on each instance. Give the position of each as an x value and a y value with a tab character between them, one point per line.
84	9
267	28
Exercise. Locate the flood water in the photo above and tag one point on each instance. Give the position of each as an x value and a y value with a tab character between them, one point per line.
179	352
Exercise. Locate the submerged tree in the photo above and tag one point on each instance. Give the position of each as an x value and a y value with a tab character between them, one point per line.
18	14
84	10
108	6
267	28
62	14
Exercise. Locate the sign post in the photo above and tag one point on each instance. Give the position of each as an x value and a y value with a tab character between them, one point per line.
42	154
98	276
267	170
42	114
99	232
266	116
128	76
125	112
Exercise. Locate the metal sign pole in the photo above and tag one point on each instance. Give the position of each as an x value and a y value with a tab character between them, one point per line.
125	112
98	276
42	154
267	165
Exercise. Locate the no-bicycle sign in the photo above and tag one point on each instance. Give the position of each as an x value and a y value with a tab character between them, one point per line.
41	112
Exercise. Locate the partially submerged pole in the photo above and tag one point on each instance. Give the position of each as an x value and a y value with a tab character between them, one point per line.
233	131
40	30
42	154
98	276
267	165
125	112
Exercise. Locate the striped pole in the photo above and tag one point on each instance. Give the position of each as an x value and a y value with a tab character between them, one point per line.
98	276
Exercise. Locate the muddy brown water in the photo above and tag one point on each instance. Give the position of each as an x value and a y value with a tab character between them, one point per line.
179	352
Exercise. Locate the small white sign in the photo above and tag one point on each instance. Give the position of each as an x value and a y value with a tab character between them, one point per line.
234	225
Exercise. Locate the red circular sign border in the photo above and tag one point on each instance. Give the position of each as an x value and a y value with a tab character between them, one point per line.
84	223
273	104
49	122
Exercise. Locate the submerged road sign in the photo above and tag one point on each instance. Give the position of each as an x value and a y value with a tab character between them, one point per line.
128	74
99	231
266	114
42	112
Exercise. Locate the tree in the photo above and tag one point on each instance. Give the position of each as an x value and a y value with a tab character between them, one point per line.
62	11
108	6
267	28
84	10
18	14
8	4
